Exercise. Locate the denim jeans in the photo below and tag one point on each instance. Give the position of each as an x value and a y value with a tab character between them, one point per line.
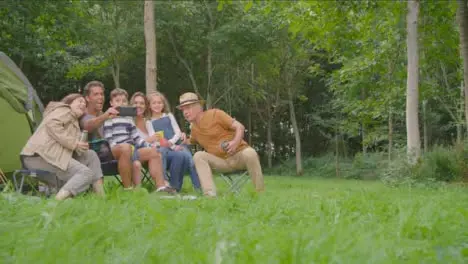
169	155
177	163
191	168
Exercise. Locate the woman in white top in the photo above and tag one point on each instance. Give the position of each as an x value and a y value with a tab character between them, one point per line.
178	161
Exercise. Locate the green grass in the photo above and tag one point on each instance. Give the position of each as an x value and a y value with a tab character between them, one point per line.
297	220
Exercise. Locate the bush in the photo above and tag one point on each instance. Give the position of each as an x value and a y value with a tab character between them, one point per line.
441	164
366	166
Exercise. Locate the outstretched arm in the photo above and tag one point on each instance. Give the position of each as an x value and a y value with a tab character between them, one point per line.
92	124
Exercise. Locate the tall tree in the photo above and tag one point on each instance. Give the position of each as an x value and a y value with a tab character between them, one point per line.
462	17
412	91
150	40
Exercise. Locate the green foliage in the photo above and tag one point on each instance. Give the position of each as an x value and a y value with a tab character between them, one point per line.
441	164
343	64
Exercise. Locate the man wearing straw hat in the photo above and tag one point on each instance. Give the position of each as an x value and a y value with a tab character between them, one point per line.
221	136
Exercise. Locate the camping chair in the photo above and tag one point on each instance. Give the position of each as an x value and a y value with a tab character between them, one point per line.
40	175
146	177
235	179
109	165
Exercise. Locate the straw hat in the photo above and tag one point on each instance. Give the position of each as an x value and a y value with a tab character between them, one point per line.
188	99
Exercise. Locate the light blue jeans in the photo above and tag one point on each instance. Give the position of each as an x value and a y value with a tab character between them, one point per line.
191	167
168	155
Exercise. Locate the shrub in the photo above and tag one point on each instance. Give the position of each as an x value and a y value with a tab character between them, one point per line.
441	164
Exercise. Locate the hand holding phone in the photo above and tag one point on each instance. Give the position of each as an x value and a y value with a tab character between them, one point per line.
112	112
127	111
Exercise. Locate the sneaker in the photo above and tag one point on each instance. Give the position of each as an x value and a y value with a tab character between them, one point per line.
166	189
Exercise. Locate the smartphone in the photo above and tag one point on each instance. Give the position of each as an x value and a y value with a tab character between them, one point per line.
127	111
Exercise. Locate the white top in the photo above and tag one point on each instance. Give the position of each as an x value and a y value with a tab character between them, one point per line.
142	134
175	127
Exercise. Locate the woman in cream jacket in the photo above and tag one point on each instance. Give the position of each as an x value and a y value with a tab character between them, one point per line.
55	146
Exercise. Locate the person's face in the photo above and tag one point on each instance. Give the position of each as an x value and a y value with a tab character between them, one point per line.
156	104
191	111
95	98
78	106
139	103
119	100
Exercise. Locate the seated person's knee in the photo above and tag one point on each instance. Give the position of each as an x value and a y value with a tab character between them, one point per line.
199	155
92	155
155	154
125	149
250	153
88	174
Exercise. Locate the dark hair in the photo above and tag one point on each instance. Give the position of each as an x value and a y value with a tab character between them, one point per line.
91	84
140	94
70	98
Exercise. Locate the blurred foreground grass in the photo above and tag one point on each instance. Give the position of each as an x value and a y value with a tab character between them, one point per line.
297	220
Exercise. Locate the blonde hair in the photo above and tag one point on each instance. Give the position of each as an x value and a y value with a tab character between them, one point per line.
118	91
166	108
142	95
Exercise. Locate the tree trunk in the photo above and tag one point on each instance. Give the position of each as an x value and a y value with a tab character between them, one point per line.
269	143
249	125
390	135
252	79
150	41
116	73
425	136
412	96
209	71
462	17
460	116
363	126
297	135
337	149
209	59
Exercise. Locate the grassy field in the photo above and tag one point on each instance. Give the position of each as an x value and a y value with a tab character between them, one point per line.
295	221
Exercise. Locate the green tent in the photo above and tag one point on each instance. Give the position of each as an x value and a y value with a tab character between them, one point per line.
20	112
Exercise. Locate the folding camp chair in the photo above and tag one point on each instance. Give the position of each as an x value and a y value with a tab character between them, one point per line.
146	177
40	175
108	163
235	180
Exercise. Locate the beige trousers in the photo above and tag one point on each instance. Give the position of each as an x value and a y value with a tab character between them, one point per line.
83	170
245	159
